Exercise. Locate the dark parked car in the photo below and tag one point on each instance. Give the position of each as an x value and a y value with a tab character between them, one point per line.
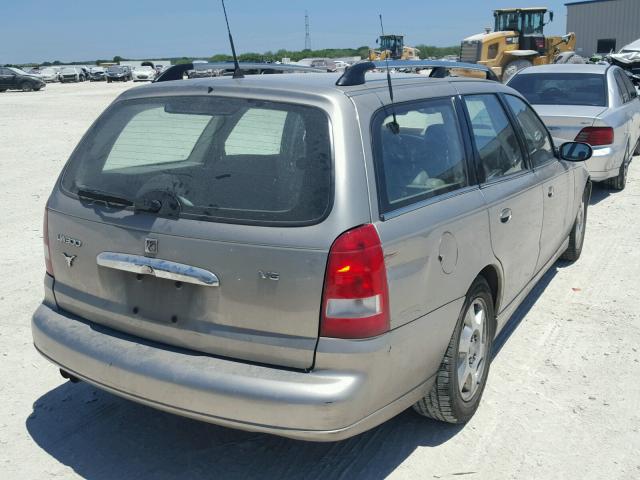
16	79
116	73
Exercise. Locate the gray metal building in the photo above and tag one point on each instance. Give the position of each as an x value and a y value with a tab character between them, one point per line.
602	26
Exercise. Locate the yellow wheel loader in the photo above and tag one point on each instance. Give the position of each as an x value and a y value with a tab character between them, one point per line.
517	42
392	47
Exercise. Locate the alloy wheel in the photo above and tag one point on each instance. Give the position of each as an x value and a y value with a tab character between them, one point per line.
472	349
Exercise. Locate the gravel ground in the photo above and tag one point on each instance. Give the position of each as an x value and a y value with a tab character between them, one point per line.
562	399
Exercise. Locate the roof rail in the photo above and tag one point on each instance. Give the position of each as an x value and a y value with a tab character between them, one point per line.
176	72
355	74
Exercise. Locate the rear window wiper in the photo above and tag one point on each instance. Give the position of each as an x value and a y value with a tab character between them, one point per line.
108	199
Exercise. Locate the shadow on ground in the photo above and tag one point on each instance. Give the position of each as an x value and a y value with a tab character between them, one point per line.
101	436
600	192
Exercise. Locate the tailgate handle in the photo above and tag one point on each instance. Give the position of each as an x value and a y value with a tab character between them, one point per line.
157	267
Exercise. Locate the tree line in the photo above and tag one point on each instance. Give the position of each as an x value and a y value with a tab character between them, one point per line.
426	51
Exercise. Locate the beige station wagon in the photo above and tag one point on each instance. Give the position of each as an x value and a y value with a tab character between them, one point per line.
296	254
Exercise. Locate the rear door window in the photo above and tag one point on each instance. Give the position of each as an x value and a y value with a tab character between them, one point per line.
536	135
495	138
622	88
218	159
424	158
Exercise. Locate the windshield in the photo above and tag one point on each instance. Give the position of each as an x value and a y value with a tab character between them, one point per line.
114	69
390	43
18	71
562	88
527	23
234	160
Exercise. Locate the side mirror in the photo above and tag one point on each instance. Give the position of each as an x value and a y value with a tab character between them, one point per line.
576	152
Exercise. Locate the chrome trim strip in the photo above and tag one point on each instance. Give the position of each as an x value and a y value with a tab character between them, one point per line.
158	268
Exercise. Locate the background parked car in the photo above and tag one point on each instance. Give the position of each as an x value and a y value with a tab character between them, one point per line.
97	74
72	74
116	73
16	79
595	104
143	74
50	75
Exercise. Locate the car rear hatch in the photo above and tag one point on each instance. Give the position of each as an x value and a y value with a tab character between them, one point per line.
200	222
566	121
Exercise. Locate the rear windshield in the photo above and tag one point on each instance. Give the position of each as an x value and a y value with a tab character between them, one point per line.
219	159
562	88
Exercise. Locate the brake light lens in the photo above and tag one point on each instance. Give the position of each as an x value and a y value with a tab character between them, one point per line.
45	239
355	302
596	136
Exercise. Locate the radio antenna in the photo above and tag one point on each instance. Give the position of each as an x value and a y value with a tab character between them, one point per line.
237	72
393	126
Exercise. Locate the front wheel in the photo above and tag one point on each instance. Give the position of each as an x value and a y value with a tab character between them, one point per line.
26	87
514	67
578	231
459	384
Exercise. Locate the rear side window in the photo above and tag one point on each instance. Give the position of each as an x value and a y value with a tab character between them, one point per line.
622	88
536	136
219	159
424	159
495	138
633	93
562	88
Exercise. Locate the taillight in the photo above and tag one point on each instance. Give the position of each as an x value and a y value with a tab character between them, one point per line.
45	239
595	136
539	43
355	302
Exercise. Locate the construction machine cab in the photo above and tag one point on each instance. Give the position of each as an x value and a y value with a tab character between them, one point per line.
393	44
529	23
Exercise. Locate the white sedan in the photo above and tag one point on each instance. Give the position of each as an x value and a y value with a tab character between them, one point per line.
143	74
594	104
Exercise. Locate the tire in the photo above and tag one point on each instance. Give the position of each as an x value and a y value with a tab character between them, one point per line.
108	80
448	401
620	181
26	87
514	67
578	231
637	150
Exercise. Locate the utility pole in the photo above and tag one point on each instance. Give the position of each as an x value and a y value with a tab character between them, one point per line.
307	38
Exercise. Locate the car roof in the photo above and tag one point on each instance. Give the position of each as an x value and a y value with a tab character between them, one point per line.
322	84
566	68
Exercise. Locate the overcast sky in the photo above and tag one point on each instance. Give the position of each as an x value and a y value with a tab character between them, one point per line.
66	30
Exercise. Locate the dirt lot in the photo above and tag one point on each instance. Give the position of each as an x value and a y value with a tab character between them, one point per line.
563	399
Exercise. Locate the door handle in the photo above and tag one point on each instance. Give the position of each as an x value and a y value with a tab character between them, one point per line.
506	215
551	192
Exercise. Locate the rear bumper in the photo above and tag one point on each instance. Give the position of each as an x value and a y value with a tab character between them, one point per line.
322	405
605	163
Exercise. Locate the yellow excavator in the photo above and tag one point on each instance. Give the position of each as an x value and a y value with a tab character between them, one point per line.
518	41
392	48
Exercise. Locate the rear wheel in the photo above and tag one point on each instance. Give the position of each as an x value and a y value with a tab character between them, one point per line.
514	67
459	384
576	237
620	181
